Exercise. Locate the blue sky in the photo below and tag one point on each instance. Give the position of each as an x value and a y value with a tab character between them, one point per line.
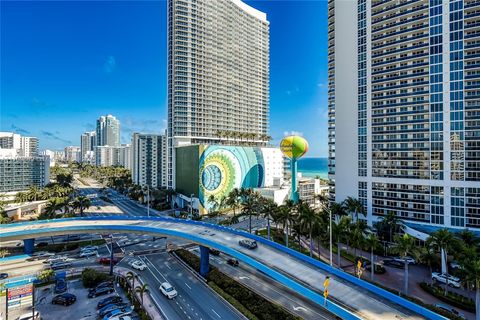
65	63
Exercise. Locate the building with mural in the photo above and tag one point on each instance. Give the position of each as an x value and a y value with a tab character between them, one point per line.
208	170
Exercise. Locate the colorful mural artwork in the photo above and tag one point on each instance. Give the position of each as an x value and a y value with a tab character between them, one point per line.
223	168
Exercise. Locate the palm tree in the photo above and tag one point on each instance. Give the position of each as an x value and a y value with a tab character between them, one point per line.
141	290
131	276
21	197
442	240
250	208
286	216
468	238
53	205
353	205
338	210
268	210
405	247
357	236
81	203
307	219
338	234
233	201
391	221
372	243
213	202
33	193
471	269
428	257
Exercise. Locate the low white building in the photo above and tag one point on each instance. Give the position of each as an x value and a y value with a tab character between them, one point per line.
106	156
73	154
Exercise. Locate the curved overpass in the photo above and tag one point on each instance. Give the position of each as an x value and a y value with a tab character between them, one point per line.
356	299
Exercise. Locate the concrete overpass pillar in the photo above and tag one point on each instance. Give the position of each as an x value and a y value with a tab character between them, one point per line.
28	246
204	260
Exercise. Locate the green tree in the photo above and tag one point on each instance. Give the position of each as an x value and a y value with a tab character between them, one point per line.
405	247
308	219
34	193
471	269
354	206
268	209
442	240
286	217
3	252
371	241
81	203
338	234
46	275
141	290
428	257
250	208
213	202
234	202
130	276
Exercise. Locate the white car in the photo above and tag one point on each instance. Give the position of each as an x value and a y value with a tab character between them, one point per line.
410	260
89	248
85	254
138	265
55	259
29	316
168	290
43	254
442	278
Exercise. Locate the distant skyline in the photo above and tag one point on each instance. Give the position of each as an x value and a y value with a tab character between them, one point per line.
66	63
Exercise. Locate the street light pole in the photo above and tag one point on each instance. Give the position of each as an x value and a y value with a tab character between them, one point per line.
331	247
148	200
111	255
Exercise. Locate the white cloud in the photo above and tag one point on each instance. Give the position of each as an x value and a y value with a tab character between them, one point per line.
110	64
293	133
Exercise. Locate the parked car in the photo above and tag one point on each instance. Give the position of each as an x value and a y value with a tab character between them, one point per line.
89	248
100	292
450	309
444	278
102	285
168	290
110	307
247	243
112	299
394	263
410	260
3	275
60	265
118	312
60	286
233	262
121	318
65	299
86	254
106	261
213	251
30	316
138	265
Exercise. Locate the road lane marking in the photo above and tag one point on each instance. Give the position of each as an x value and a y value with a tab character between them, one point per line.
300	309
243	278
188	286
216	313
154	267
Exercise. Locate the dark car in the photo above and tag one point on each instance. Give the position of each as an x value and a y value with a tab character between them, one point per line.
60	286
215	252
247	243
3	275
233	262
100	292
102	285
110	307
41	244
60	265
112	299
394	264
65	299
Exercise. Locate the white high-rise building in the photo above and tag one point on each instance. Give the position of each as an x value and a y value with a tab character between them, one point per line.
72	154
218	75
404	109
108	131
25	146
88	141
149	160
106	156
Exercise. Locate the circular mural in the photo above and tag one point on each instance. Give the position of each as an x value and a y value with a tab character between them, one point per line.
211	177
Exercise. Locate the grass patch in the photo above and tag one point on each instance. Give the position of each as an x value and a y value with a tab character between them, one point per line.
256	305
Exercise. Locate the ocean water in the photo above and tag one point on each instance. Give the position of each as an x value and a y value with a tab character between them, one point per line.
312	167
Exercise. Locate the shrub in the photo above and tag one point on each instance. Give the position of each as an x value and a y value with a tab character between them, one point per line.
92	277
451	298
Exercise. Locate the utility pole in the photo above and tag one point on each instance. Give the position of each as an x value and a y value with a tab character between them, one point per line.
330	229
111	255
148	200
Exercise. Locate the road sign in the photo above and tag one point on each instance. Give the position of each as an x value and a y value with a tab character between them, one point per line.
326	282
325	293
20	296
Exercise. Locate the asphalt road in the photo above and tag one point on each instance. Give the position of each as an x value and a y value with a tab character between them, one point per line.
194	301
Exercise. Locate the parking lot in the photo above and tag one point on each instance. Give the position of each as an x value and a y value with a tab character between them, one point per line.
84	308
